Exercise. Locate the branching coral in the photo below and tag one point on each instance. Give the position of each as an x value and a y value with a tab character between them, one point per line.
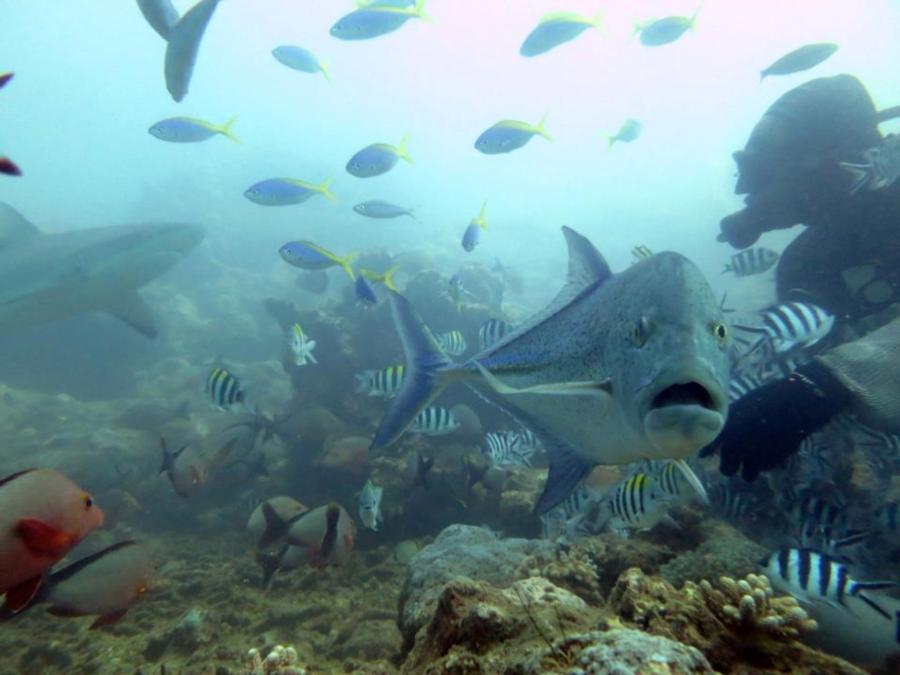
280	661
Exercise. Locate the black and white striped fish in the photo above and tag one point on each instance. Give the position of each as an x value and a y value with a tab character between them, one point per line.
492	331
637	504
813	577
880	168
505	448
453	343
434	421
817	516
751	261
575	515
731	503
743	383
384	382
792	324
224	389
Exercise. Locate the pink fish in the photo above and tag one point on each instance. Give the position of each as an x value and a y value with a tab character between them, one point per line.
43	516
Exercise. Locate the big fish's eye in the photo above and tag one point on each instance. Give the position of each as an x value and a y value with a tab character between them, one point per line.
88	501
720	330
641	332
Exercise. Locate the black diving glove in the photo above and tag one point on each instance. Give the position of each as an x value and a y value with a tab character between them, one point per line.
766	425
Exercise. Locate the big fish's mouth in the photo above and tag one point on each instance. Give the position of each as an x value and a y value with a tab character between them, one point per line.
683	412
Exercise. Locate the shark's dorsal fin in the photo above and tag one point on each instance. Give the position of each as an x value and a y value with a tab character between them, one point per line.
14	227
587	268
132	309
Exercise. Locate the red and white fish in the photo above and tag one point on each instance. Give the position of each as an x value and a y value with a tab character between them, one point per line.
43	516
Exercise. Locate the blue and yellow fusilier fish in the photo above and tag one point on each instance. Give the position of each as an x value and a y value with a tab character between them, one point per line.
556	29
308	256
191	130
377	18
300	58
472	235
378	158
508	135
629	131
619	367
658	32
286	191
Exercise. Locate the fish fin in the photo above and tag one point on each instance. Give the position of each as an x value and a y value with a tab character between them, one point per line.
5	78
587	388
566	471
388	277
323	67
874	605
859	173
426	367
14	227
131	309
402	151
15	475
270	564
21	596
168	458
420	11
693	20
481	220
276	527
727	268
225	129
9	167
41	538
324	188
540	130
108	619
362	381
692	479
329	539
80	564
345	264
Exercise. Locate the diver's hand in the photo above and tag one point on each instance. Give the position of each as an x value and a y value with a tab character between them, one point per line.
766	425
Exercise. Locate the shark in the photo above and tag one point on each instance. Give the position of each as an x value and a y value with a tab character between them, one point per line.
47	277
618	368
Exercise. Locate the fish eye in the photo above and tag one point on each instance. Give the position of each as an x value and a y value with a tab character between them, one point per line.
720	330
88	501
641	332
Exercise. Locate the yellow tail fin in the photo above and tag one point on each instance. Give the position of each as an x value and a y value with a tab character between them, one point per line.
345	262
597	20
693	21
225	129
324	68
540	130
388	277
325	190
420	11
480	220
402	152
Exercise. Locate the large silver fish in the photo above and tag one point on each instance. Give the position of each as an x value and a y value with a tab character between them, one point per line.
184	43
616	369
46	277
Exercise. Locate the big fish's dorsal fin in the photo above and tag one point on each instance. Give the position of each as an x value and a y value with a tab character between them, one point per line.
14	227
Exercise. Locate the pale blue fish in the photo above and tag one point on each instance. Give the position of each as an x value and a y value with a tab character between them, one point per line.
472	235
298	58
658	32
309	256
191	130
377	208
616	369
286	191
370	505
629	131
556	29
508	135
375	19
160	14
378	158
184	43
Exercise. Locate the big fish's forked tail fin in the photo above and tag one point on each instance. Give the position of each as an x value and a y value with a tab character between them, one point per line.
428	372
859	173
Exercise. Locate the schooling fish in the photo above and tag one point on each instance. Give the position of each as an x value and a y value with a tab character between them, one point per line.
434	421
105	584
508	135
184	43
637	504
453	343
298	58
377	18
491	332
376	208
384	382
629	131
191	130
880	168
386	277
326	532
224	389
378	158
505	448
658	32
803	58
302	346
160	14
790	324
472	235
43	516
616	369
370	506
751	261
308	256
286	191
556	29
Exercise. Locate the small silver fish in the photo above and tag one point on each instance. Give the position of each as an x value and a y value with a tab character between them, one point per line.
370	505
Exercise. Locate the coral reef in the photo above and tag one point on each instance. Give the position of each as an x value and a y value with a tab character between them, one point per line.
280	661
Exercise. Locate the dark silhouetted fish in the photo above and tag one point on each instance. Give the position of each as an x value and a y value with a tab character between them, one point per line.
801	59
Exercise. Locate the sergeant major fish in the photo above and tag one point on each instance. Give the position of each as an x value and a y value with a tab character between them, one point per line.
434	421
453	342
616	369
384	382
491	332
751	261
370	505
638	503
880	167
224	389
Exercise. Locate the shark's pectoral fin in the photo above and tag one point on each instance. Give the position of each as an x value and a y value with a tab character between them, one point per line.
132	309
14	227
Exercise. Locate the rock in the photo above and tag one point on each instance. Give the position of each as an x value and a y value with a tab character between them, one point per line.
460	551
346	455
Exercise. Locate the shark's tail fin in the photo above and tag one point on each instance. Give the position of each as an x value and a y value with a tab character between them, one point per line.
428	371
